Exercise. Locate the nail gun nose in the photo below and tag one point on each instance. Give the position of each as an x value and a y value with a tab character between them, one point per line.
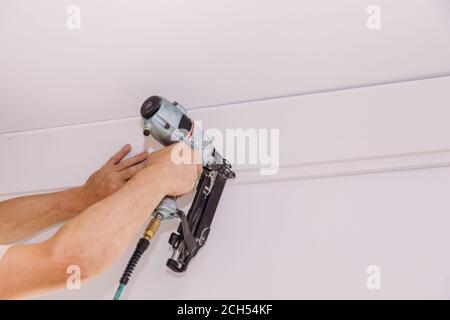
146	132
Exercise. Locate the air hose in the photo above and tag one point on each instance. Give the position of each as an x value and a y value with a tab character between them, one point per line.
141	246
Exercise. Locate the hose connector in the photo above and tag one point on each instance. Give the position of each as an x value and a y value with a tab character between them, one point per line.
152	227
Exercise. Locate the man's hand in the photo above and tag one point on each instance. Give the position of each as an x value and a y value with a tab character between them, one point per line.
178	167
113	175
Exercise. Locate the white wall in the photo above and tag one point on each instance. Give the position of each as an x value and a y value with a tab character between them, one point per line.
68	99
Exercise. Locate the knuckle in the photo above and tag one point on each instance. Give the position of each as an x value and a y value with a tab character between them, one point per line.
131	171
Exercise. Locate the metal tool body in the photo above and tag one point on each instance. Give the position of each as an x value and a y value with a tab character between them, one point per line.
168	123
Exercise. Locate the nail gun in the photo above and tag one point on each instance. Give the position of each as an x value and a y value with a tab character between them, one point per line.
168	123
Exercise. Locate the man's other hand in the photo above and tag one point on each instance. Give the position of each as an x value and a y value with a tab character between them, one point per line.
113	174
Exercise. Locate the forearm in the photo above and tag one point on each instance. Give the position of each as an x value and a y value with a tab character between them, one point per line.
102	232
24	216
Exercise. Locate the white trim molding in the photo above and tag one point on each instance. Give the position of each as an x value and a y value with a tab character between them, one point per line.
400	126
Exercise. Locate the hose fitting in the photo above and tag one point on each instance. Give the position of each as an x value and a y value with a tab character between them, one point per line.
152	228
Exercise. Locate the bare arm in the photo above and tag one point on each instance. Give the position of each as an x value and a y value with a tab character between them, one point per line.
24	216
97	237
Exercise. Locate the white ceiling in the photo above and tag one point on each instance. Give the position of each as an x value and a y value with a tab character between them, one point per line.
203	53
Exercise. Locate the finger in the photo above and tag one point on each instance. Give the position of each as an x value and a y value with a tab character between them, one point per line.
116	158
131	171
132	161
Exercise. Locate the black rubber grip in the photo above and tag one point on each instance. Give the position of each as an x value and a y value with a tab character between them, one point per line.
140	249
